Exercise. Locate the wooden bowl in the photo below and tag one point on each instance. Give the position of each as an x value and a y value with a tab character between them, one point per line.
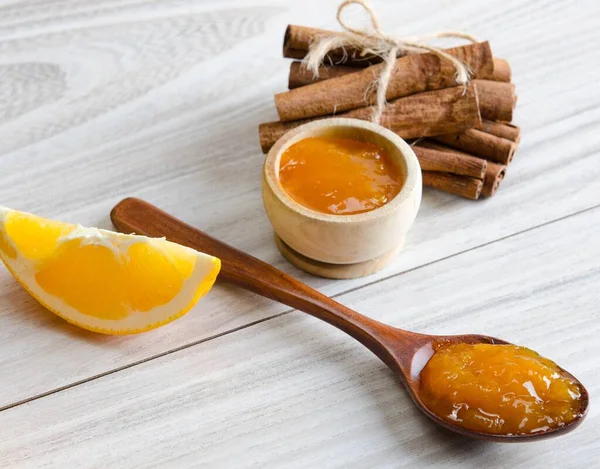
342	246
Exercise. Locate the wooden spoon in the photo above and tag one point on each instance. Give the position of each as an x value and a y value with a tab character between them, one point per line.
402	351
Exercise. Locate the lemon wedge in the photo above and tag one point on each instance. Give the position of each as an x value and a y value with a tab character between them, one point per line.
101	280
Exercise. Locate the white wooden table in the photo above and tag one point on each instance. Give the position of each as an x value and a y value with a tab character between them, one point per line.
161	100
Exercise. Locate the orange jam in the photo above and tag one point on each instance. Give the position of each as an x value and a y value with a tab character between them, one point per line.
499	389
339	176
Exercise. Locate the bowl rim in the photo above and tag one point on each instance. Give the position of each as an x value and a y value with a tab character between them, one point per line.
413	170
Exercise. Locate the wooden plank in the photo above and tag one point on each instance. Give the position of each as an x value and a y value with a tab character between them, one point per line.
295	392
102	100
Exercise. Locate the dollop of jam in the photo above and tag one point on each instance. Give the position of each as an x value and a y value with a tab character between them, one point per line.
339	176
498	389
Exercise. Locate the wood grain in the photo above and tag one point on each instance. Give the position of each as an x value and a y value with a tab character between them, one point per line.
180	128
102	100
294	392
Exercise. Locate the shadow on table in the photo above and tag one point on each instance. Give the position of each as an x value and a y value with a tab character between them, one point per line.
35	316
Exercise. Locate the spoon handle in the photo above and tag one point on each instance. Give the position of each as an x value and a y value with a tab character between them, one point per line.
238	268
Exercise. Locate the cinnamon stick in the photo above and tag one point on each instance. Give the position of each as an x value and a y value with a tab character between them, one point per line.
463	186
412	74
497	100
424	114
270	132
494	172
494	175
507	131
432	159
301	76
297	41
502	71
484	145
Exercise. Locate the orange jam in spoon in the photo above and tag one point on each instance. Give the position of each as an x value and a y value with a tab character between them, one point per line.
339	176
499	389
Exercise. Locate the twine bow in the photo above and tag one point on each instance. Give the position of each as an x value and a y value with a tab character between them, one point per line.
379	44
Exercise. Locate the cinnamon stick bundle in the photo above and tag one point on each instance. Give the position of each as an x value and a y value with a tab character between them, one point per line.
412	74
497	100
424	114
463	186
297	40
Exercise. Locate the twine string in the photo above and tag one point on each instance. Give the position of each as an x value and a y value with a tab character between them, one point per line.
376	43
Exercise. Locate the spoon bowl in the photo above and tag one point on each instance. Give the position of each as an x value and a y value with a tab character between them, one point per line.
404	352
412	361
